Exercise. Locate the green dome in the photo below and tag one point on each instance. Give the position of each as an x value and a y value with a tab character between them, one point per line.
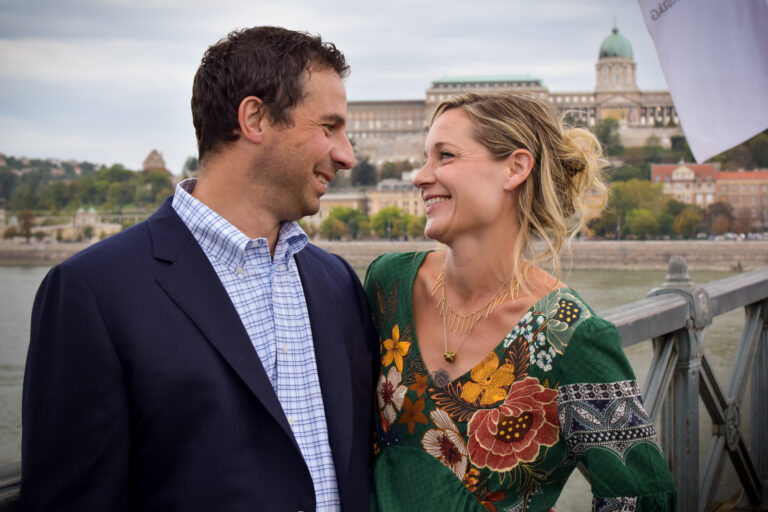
615	45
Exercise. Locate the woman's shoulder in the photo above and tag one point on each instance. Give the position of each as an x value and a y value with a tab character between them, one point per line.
396	264
568	317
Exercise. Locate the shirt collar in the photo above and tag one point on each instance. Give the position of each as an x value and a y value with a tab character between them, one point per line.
222	241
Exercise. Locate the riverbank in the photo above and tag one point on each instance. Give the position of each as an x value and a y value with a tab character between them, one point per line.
583	255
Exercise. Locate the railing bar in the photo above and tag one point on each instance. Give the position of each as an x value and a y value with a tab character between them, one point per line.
713	470
710	393
669	314
660	375
737	291
745	470
745	354
759	400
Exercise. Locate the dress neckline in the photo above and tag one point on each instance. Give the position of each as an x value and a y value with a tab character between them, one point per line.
419	261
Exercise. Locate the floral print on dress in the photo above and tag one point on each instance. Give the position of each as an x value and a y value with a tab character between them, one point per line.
489	381
390	395
445	443
395	349
514	432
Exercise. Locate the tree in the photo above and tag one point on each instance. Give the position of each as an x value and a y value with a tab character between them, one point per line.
333	229
743	221
719	216
605	224
642	223
356	221
8	183
720	225
10	232
607	132
389	223
653	145
121	193
394	170
626	173
680	145
87	232
759	146
628	195
666	223
674	207
363	173
687	221
26	221
416	224
191	166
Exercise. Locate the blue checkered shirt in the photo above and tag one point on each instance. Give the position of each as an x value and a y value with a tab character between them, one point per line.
269	298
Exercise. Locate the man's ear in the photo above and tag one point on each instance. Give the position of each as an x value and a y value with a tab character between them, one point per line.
250	117
520	163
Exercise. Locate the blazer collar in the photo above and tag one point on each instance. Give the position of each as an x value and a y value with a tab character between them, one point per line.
193	285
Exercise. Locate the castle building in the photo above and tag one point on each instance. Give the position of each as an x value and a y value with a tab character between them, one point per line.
395	130
745	191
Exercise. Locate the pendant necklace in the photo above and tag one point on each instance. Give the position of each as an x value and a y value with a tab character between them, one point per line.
464	324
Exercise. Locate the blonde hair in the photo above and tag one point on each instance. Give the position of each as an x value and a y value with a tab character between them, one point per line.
565	185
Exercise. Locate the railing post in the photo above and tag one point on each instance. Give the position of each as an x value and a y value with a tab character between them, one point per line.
680	417
759	406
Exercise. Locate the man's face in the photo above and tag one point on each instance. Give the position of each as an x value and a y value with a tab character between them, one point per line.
301	159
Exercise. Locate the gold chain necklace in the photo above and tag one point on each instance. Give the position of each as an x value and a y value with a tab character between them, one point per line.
464	324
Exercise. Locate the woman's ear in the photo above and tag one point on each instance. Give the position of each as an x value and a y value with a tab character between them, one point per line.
250	117
520	163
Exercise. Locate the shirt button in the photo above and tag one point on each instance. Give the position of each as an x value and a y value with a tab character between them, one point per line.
285	349
239	270
290	420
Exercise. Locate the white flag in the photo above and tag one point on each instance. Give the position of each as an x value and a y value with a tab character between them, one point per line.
714	54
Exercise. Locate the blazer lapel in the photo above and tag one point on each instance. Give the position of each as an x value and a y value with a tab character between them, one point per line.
331	357
192	283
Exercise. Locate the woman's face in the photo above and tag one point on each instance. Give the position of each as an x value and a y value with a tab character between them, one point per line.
462	185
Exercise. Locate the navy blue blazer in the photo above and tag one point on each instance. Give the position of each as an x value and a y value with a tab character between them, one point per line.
142	390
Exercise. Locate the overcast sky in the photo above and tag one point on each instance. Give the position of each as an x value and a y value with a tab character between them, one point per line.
109	80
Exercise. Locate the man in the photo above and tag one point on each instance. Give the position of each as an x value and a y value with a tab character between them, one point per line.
209	358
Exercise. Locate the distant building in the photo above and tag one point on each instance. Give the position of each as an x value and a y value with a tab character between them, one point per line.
395	130
85	217
688	183
745	191
400	193
356	200
154	162
391	192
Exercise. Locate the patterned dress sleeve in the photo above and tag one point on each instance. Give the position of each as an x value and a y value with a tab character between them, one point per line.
606	427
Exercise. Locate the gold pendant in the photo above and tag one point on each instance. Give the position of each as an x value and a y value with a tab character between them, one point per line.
449	356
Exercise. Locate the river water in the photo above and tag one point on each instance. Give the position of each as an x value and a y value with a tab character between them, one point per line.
601	289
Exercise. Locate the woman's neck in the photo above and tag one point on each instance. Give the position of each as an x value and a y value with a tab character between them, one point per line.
475	268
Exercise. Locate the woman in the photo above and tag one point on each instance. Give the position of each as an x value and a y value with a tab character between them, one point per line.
496	378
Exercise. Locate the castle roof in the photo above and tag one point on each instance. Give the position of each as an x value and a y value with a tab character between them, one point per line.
615	45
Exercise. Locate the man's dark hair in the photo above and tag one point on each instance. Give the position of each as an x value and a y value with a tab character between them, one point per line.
267	62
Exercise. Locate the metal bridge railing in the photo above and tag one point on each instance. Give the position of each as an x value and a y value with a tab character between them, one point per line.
674	317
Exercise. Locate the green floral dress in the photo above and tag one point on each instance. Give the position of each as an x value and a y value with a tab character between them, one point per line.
557	391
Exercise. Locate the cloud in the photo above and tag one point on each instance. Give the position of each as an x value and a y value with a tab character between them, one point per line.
76	72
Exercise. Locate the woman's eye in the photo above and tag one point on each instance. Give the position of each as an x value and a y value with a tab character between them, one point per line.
445	155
